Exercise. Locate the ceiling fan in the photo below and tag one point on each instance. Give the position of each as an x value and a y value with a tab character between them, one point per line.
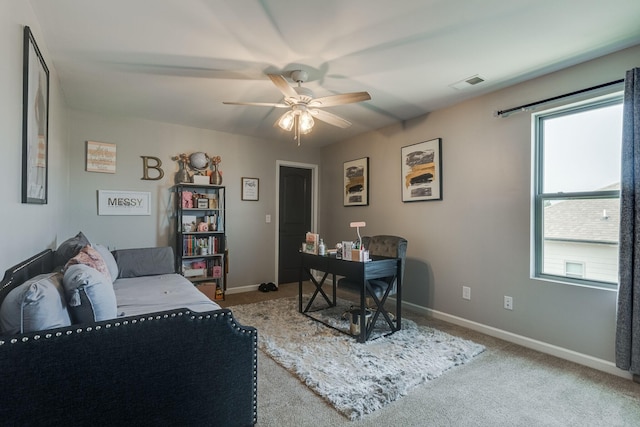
303	107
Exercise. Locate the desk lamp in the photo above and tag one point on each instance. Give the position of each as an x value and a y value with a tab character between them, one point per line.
357	226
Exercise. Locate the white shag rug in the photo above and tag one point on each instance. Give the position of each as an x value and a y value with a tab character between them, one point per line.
355	378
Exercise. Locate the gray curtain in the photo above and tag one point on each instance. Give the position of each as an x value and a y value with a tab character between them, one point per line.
628	320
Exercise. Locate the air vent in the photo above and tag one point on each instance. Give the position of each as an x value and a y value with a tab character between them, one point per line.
468	82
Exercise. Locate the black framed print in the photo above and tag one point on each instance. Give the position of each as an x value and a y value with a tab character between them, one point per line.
422	171
250	189
356	182
35	123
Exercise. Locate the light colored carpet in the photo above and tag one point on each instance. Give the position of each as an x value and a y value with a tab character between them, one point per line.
355	378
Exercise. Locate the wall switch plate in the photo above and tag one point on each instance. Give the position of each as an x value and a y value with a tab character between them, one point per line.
508	302
267	219
466	292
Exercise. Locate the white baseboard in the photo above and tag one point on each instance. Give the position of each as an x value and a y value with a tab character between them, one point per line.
241	289
562	353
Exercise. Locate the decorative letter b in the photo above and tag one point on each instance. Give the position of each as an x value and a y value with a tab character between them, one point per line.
146	167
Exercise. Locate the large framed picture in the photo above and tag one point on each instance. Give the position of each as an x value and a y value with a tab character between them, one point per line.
356	182
35	123
422	171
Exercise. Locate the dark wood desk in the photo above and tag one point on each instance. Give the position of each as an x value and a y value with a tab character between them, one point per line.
383	268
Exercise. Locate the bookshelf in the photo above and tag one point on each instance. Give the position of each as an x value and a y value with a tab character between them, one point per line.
201	246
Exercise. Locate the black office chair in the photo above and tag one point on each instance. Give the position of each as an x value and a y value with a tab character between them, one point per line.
382	245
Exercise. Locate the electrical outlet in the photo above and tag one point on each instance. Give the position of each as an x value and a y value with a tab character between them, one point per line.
466	292
508	302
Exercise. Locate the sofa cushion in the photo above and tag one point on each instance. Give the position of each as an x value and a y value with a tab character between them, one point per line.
109	260
144	261
36	305
69	248
92	258
89	293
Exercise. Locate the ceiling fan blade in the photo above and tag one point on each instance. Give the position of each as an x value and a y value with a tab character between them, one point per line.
258	104
330	118
281	83
343	98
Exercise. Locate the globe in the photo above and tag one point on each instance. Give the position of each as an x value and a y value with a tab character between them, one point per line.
199	160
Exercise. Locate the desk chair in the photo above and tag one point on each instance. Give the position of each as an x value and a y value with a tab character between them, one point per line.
382	245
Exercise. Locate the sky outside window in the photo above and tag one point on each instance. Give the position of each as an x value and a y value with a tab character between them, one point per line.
582	151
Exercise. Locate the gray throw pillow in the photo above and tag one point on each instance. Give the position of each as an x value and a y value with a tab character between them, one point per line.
90	294
69	248
36	305
145	261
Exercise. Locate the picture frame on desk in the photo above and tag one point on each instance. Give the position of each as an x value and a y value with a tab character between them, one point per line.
310	245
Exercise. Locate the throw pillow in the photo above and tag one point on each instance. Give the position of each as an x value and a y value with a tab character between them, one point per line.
140	262
90	294
36	305
69	248
108	258
92	258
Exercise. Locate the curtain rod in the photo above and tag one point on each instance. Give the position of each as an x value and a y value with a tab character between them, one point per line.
566	95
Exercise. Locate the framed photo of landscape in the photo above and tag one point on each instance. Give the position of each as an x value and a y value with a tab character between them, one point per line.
356	182
422	171
35	123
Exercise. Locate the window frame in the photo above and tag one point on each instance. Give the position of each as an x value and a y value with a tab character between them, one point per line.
540	198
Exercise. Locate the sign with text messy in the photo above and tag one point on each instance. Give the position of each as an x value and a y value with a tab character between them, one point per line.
112	202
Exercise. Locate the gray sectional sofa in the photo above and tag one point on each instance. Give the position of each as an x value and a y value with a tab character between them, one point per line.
164	355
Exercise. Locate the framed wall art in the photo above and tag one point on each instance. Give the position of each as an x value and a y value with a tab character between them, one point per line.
112	202
422	171
101	157
35	123
356	182
250	188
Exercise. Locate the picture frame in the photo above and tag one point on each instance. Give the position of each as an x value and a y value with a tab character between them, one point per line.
35	123
100	157
250	188
356	182
422	171
115	202
310	245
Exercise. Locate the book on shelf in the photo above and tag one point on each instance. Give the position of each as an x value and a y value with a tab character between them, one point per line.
193	245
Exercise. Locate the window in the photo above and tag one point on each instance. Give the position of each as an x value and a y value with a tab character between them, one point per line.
574	269
577	192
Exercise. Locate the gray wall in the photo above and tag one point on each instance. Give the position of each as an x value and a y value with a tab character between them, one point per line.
27	229
479	234
250	239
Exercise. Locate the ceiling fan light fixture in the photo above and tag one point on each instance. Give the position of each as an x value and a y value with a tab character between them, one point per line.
287	121
306	122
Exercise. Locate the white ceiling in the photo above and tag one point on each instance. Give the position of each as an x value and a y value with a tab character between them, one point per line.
176	61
